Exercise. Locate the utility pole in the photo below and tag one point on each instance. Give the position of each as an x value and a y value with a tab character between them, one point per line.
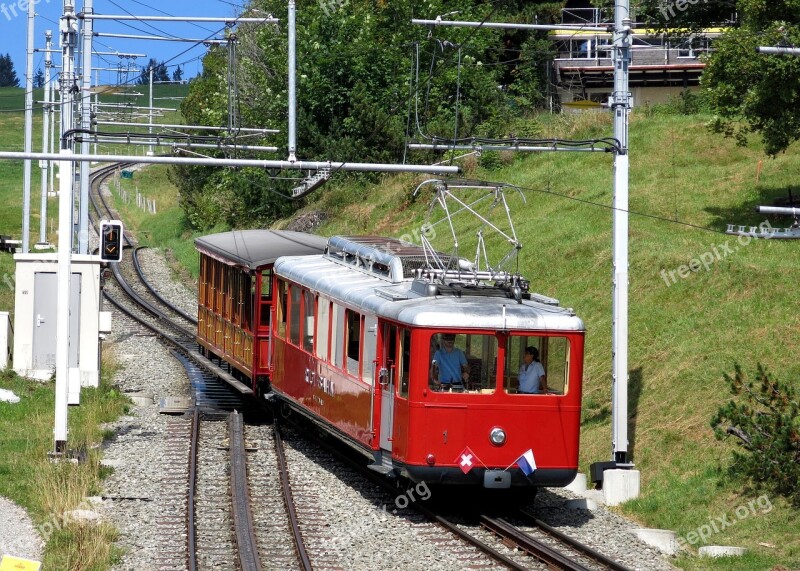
292	80
26	184
68	29
620	481
46	113
86	124
150	148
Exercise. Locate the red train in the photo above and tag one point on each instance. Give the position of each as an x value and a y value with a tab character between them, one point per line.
438	375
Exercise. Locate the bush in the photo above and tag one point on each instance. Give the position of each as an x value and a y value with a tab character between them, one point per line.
764	418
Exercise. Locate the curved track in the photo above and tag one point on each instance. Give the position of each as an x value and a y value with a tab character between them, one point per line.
207	543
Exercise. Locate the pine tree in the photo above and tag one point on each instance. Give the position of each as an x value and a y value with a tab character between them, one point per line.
8	77
38	79
177	75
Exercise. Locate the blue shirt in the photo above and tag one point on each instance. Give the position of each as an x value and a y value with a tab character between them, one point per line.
450	364
529	376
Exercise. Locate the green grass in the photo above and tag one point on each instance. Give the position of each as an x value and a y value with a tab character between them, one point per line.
683	336
45	489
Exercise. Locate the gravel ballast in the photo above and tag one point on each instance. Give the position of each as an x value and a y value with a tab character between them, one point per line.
350	511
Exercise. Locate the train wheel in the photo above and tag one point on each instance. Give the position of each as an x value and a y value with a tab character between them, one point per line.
284	410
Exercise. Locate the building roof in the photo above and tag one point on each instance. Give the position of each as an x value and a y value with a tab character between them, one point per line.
256	248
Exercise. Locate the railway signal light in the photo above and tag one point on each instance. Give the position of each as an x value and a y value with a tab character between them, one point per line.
111	241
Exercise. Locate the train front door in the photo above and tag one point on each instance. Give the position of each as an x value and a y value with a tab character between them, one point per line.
387	381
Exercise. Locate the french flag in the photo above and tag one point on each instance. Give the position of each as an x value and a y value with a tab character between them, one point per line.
526	462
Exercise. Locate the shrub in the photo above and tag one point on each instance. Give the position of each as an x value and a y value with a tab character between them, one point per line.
764	418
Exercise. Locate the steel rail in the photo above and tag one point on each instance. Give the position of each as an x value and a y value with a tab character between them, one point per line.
288	499
532	546
575	544
191	514
246	547
448	525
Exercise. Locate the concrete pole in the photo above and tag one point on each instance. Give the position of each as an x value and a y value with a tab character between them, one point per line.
68	30
620	106
26	184
150	129
292	80
47	111
86	123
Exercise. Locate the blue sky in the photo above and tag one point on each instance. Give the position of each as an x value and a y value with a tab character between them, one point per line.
13	31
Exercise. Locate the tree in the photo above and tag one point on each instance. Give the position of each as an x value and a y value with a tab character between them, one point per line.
765	419
8	77
160	73
177	75
38	79
356	82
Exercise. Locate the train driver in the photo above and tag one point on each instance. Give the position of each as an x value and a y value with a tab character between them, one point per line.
450	363
532	378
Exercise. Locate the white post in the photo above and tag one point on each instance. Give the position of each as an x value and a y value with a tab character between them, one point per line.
150	129
26	184
46	113
292	80
65	209
86	123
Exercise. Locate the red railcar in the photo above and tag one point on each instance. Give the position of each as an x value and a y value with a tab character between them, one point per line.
361	341
234	302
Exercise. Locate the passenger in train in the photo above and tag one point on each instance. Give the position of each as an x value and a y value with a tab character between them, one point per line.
532	378
451	364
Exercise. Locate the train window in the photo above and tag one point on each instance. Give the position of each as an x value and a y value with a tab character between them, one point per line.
323	326
281	308
309	309
249	299
337	335
266	296
353	342
528	356
463	363
266	285
369	324
294	315
203	286
405	364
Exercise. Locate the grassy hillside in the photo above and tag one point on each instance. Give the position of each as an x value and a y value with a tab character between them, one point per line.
686	185
684	335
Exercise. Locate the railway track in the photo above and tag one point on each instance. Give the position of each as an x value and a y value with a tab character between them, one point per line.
212	522
208	520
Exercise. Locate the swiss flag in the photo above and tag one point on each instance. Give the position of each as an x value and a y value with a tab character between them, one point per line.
467	460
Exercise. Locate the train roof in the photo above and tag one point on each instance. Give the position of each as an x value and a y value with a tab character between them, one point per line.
410	300
257	248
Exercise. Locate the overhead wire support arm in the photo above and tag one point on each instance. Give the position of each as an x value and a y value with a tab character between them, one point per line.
211	41
778	50
198	19
243	163
508	26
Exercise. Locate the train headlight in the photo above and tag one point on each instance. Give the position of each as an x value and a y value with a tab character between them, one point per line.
497	436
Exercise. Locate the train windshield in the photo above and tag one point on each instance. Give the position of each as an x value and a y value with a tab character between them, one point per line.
536	364
463	363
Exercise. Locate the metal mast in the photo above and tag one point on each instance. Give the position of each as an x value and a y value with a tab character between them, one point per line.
86	124
68	29
292	81
620	105
26	185
47	112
